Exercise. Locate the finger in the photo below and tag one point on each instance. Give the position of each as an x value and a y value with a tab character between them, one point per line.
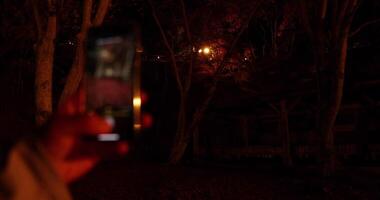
70	106
75	104
86	149
81	104
67	107
81	124
71	170
94	124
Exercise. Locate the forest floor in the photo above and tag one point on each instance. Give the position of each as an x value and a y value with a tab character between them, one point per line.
131	180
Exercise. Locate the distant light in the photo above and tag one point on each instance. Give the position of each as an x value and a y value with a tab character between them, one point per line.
200	51
245	58
158	57
206	50
109	137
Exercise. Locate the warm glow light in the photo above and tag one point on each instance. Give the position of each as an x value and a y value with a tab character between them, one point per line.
206	50
136	101
137	126
200	51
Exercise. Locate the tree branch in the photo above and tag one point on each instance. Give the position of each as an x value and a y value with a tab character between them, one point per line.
37	19
342	15
101	12
186	21
197	116
234	43
305	19
86	17
361	27
188	34
76	72
166	42
52	7
323	10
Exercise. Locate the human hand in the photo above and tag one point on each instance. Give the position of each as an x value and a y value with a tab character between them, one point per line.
70	156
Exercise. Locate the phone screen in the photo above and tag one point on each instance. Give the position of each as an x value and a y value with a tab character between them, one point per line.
109	81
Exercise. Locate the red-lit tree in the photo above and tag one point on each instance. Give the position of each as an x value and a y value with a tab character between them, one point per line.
328	25
207	38
45	15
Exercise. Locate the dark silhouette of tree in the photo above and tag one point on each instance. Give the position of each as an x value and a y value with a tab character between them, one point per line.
201	27
328	24
45	15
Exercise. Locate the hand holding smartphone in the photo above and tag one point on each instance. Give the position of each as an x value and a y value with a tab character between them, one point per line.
113	81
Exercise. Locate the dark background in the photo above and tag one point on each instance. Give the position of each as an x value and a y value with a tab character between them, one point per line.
239	153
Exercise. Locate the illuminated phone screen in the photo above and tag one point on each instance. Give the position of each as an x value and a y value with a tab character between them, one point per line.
109	80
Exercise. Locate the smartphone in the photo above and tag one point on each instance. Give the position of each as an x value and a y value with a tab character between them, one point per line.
112	81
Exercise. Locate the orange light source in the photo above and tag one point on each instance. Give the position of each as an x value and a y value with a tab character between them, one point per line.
137	113
206	50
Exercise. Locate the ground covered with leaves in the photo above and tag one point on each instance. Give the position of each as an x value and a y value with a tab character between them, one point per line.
131	180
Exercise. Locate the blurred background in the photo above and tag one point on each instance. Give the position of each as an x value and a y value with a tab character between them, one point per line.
248	97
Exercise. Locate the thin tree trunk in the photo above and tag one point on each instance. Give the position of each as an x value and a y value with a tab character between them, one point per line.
331	111
184	132
196	144
285	135
44	68
180	140
76	73
244	125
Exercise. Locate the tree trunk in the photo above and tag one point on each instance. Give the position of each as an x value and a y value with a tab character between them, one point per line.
181	137
184	133
44	68
244	125
75	75
285	135
330	111
196	144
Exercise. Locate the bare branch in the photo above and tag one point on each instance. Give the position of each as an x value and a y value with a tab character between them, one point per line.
101	12
37	18
186	21
86	17
52	6
166	42
188	34
76	73
361	27
50	3
323	9
273	107
343	14
294	104
235	41
197	116
305	19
